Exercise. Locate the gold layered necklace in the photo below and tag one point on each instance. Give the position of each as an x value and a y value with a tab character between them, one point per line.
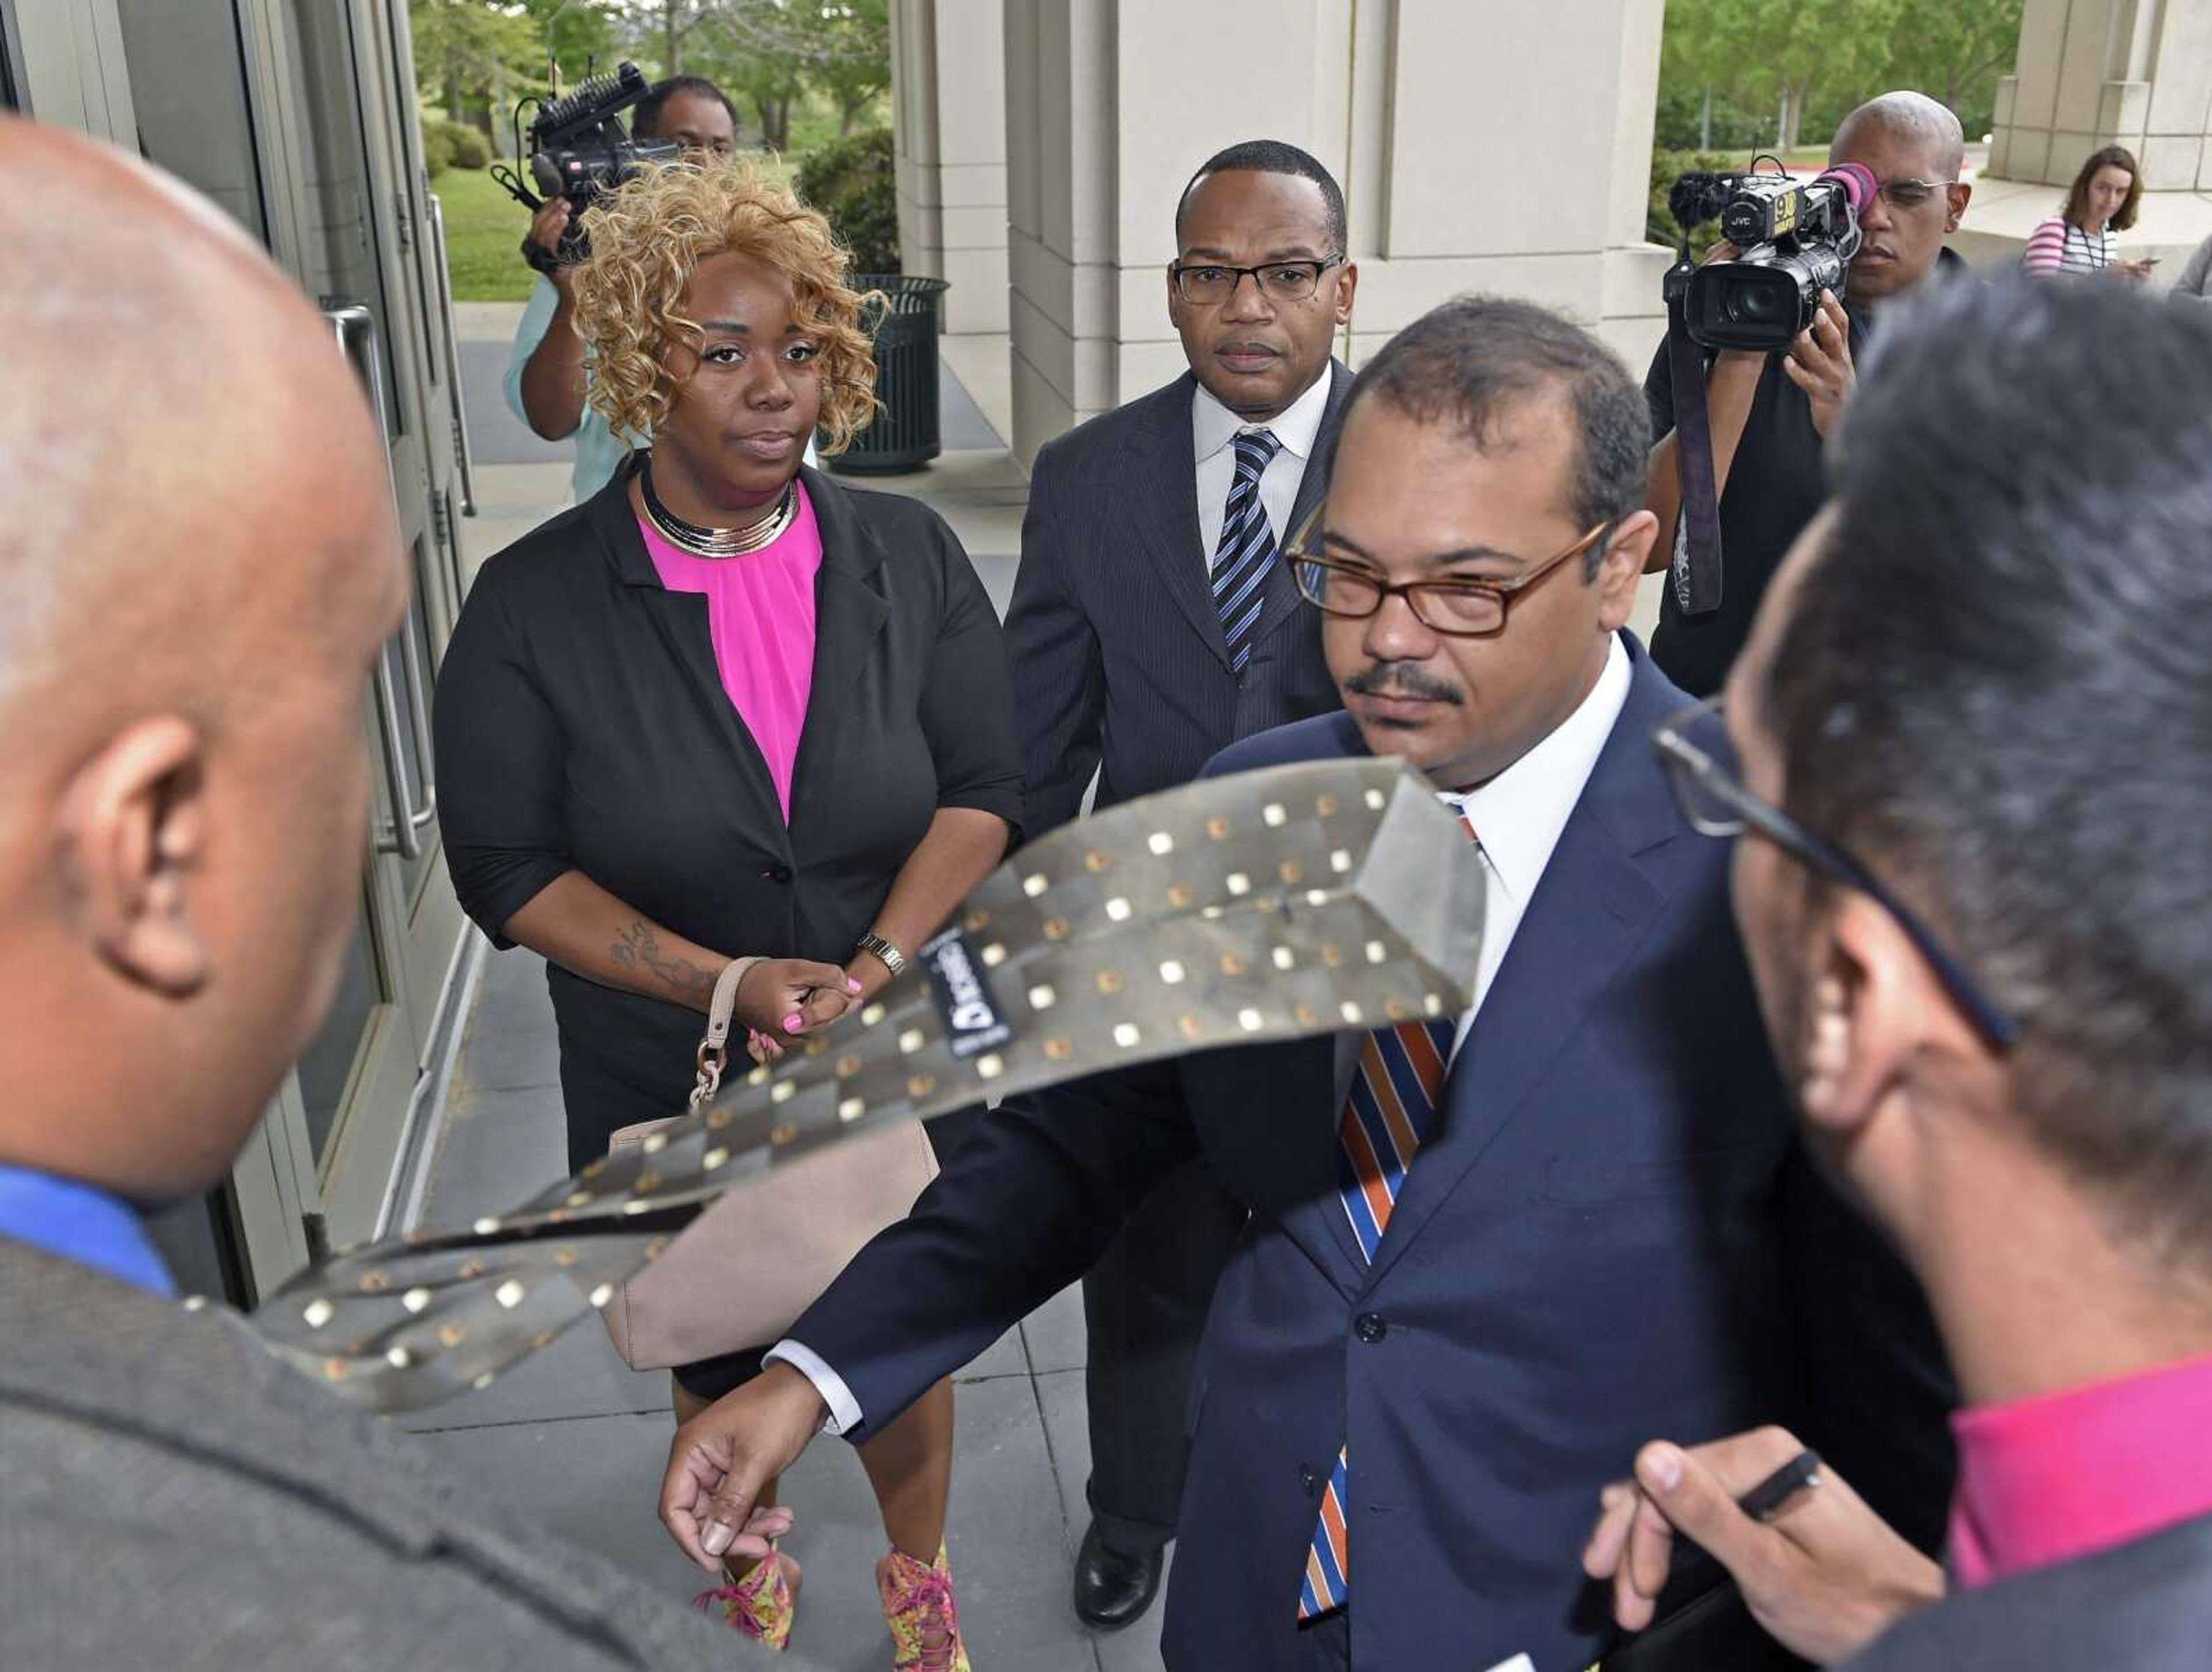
702	541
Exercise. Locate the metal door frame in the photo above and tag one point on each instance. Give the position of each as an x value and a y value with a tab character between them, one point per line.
417	921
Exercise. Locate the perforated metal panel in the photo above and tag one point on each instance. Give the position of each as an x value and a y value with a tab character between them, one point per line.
1301	900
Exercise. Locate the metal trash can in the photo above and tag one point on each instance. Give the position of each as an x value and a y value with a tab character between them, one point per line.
908	433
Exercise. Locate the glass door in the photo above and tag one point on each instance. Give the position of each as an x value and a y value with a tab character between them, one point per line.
288	114
343	106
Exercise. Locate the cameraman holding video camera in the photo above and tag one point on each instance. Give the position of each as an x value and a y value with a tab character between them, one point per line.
1770	413
545	381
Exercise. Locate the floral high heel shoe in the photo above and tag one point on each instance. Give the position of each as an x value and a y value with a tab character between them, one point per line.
761	1604
918	1607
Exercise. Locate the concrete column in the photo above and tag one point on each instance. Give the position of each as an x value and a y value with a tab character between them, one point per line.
2092	73
949	91
72	75
1504	149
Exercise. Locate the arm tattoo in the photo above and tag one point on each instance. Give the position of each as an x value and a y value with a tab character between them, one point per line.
638	946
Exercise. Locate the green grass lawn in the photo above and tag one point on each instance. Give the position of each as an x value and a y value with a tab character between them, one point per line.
483	238
484	229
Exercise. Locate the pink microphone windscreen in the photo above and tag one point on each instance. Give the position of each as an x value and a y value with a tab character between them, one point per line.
1857	179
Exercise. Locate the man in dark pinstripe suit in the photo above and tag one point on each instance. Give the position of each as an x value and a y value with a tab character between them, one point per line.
1153	625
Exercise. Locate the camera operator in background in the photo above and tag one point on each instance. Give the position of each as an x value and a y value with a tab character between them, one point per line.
544	381
1770	413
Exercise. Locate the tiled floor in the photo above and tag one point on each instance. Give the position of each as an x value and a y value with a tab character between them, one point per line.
575	1440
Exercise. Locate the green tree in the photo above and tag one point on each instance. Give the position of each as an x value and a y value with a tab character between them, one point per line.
468	53
1803	62
856	68
579	36
769	82
1956	52
663	31
775	49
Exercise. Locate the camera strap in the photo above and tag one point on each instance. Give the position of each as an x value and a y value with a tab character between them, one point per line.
1695	569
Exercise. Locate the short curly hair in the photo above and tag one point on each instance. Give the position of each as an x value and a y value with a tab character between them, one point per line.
648	238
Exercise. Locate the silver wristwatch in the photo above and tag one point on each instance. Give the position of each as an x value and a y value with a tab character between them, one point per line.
888	955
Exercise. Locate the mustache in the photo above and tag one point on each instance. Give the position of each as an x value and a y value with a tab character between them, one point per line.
1401	679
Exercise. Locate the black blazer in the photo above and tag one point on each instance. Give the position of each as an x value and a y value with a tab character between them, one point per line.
1118	656
1613	1233
582	725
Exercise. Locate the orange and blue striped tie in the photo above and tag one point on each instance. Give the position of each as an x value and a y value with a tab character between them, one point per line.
1394	1096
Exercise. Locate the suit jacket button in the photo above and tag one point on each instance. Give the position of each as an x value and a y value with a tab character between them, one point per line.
1370	1327
778	873
1309	1479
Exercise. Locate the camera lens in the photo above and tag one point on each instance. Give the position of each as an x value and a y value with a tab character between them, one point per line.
1754	305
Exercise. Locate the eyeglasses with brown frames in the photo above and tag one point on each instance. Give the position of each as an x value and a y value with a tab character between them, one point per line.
1457	608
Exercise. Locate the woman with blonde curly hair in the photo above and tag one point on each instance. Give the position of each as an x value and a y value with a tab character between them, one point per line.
727	707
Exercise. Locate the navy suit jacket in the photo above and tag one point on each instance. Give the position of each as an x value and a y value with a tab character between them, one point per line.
1612	1234
1119	661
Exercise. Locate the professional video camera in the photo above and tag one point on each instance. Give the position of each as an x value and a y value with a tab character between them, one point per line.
578	150
1794	239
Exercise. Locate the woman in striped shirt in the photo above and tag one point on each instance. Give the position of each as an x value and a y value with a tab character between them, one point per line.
2079	240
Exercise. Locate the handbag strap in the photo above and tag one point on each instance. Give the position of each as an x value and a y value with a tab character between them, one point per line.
714	1048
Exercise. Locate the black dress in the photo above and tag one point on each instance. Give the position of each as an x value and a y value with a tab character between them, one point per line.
582	725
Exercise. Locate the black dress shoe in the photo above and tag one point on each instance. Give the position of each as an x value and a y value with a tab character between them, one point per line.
1113	1588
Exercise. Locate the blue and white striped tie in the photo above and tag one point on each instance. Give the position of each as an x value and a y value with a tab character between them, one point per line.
1247	547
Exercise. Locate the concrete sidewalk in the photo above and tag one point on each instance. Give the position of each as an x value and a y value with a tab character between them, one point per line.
574	1441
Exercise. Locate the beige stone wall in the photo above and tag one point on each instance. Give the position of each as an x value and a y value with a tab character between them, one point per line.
949	99
1482	147
2092	73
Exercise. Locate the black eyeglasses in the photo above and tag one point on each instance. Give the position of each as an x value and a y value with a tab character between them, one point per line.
1457	608
1716	804
1209	283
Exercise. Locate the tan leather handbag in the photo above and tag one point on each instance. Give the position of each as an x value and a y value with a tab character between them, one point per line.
742	1271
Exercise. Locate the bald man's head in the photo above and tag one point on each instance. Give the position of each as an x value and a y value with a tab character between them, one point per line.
1913	147
197	565
1907	115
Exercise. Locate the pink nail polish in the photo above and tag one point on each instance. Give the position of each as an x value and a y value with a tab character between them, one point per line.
852	986
793	1021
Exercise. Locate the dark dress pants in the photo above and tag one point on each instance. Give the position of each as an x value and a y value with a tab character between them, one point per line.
1146	1304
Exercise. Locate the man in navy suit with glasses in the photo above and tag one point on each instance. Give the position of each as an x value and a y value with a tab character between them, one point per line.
1484	1255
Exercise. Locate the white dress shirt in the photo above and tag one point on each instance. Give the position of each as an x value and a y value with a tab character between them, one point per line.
1213	431
1519	815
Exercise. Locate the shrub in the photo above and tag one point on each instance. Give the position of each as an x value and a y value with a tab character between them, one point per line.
472	148
1666	166
852	181
437	146
1682	115
447	144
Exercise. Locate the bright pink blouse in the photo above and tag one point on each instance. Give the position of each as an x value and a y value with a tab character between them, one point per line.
760	613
